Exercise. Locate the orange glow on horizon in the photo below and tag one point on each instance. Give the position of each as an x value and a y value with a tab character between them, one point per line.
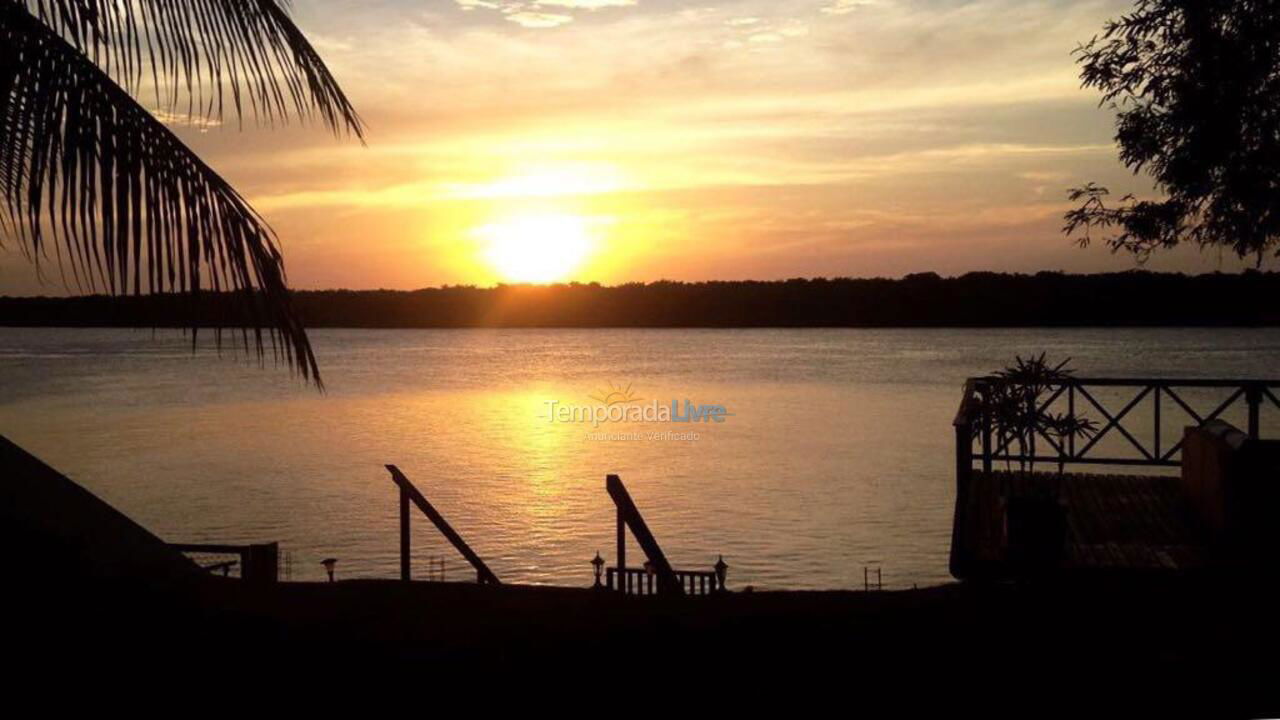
537	248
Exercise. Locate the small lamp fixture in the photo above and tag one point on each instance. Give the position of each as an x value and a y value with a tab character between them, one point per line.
598	565
722	569
328	564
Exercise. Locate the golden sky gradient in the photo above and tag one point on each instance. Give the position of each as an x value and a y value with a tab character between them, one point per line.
623	140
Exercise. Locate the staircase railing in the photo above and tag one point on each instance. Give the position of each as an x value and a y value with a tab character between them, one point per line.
656	575
410	494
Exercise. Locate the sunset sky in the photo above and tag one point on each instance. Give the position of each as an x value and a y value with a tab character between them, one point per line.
620	140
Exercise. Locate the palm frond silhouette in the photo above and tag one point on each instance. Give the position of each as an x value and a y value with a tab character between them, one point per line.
93	182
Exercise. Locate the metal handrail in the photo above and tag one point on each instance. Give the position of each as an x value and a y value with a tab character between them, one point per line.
972	417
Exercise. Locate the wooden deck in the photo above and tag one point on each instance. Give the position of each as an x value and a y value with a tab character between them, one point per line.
1113	522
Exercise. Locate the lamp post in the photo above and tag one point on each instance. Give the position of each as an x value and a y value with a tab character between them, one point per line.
598	566
722	569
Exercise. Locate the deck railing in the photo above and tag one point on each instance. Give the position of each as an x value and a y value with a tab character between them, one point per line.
656	576
1078	397
259	563
1131	411
640	581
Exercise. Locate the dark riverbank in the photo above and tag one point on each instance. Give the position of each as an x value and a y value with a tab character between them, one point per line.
86	584
1045	299
1177	645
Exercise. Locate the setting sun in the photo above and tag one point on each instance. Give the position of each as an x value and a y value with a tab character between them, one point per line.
537	248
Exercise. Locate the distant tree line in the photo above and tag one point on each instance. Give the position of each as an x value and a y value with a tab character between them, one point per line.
980	299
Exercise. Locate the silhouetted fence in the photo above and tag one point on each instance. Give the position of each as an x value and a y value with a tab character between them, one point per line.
1143	443
258	564
656	575
640	581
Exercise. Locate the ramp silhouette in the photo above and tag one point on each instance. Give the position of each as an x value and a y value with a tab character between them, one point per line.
62	529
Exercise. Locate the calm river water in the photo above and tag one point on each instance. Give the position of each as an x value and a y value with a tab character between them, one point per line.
834	450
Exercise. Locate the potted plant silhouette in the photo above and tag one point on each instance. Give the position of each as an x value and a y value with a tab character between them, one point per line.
1016	403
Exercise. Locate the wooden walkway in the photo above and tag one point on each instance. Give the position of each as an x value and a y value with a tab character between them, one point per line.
1114	522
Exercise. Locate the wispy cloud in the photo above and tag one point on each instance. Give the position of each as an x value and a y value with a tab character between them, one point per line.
585	4
535	14
525	18
844	7
180	119
847	137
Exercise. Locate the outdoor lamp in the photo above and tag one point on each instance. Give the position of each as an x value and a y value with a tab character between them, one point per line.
598	565
722	569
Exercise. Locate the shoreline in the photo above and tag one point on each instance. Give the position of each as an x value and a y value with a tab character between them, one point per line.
1209	629
976	299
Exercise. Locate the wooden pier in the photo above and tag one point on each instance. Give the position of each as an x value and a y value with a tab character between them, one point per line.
1118	522
1144	520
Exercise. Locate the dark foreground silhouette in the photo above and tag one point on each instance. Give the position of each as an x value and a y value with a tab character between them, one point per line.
921	300
85	582
1204	644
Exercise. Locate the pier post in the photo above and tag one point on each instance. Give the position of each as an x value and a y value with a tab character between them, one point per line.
964	457
987	450
1253	395
622	551
963	426
260	564
404	535
1155	409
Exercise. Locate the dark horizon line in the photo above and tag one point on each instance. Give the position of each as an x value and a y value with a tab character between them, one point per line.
908	277
1043	326
1046	299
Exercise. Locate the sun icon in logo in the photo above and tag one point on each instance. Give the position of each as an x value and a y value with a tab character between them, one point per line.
616	395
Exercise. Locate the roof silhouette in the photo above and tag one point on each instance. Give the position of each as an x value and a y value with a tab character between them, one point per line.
62	529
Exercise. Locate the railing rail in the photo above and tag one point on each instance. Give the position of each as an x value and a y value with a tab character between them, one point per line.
1165	397
656	576
640	581
1081	397
628	516
259	563
409	493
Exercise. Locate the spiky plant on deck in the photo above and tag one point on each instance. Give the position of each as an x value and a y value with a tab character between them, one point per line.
1016	407
93	182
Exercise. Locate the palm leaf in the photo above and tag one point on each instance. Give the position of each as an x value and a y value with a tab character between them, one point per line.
195	52
126	206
